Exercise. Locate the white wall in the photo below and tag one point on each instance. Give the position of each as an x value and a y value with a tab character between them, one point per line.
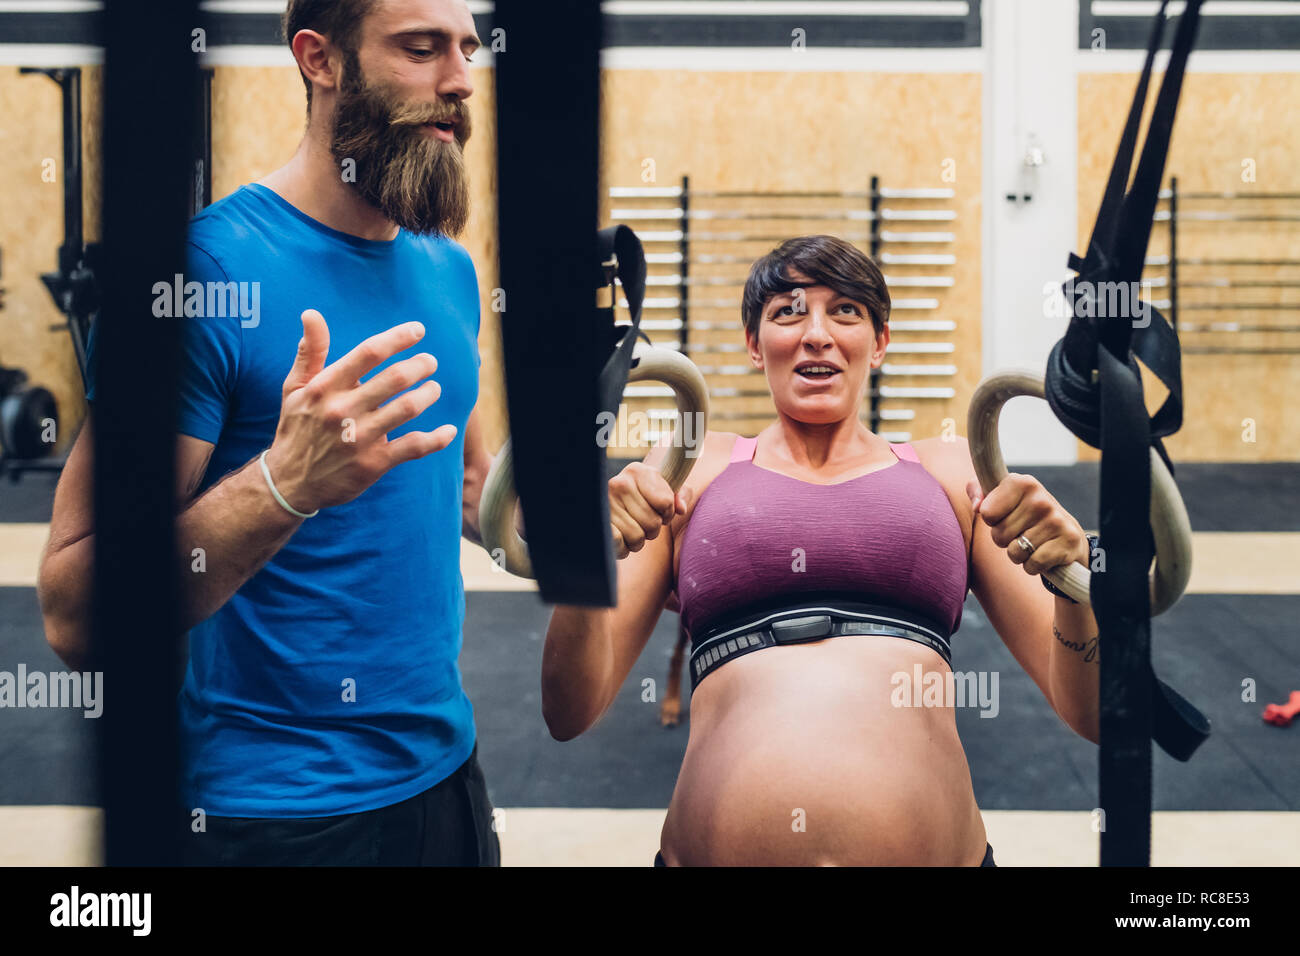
1030	95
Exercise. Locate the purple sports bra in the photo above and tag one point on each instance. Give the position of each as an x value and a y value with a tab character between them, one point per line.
890	536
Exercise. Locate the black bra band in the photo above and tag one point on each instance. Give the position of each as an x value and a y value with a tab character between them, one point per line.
810	622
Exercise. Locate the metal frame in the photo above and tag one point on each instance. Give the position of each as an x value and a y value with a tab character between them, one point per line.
1176	216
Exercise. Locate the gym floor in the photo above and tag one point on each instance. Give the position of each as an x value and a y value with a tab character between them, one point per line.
600	799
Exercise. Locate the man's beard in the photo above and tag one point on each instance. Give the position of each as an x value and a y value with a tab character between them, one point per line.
415	179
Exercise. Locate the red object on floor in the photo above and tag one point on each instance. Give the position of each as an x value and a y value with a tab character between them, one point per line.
1281	714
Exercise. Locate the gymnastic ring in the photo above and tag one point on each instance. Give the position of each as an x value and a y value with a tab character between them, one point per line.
497	506
1170	526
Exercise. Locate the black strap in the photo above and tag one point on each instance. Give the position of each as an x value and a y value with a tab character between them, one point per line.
621	255
812	619
1094	387
1121	605
1117	248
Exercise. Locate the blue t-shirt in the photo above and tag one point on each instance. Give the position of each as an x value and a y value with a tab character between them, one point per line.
328	683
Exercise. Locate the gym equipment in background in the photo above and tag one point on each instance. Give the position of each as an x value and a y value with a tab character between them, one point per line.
711	237
73	285
28	414
29	423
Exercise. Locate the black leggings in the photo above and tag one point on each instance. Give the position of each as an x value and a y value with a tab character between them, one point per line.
450	824
988	857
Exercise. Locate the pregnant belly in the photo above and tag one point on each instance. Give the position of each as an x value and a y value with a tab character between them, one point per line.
802	756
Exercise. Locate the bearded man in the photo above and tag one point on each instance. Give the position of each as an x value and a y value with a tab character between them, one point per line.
325	481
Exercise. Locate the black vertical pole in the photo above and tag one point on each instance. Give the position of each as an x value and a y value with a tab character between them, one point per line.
202	156
72	253
684	246
149	87
873	389
71	286
70	81
1173	252
553	339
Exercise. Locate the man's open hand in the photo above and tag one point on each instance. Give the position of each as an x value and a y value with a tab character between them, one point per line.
332	443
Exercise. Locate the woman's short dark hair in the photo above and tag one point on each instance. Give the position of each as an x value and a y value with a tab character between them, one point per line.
824	260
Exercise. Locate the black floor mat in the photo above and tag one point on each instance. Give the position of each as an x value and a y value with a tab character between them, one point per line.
1210	647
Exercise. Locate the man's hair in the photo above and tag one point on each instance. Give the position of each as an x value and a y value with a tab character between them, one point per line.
340	20
825	260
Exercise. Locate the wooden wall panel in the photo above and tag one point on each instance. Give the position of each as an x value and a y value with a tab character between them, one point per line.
772	131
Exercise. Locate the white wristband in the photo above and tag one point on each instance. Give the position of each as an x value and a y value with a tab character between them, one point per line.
278	497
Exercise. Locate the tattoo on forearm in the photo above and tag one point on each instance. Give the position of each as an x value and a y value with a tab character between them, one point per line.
1088	648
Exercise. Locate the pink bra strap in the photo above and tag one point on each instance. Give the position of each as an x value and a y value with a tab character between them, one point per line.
905	452
743	449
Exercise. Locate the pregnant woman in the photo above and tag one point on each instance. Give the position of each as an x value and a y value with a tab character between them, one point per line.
819	570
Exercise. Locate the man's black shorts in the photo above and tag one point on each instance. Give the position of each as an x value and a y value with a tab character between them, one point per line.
449	824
